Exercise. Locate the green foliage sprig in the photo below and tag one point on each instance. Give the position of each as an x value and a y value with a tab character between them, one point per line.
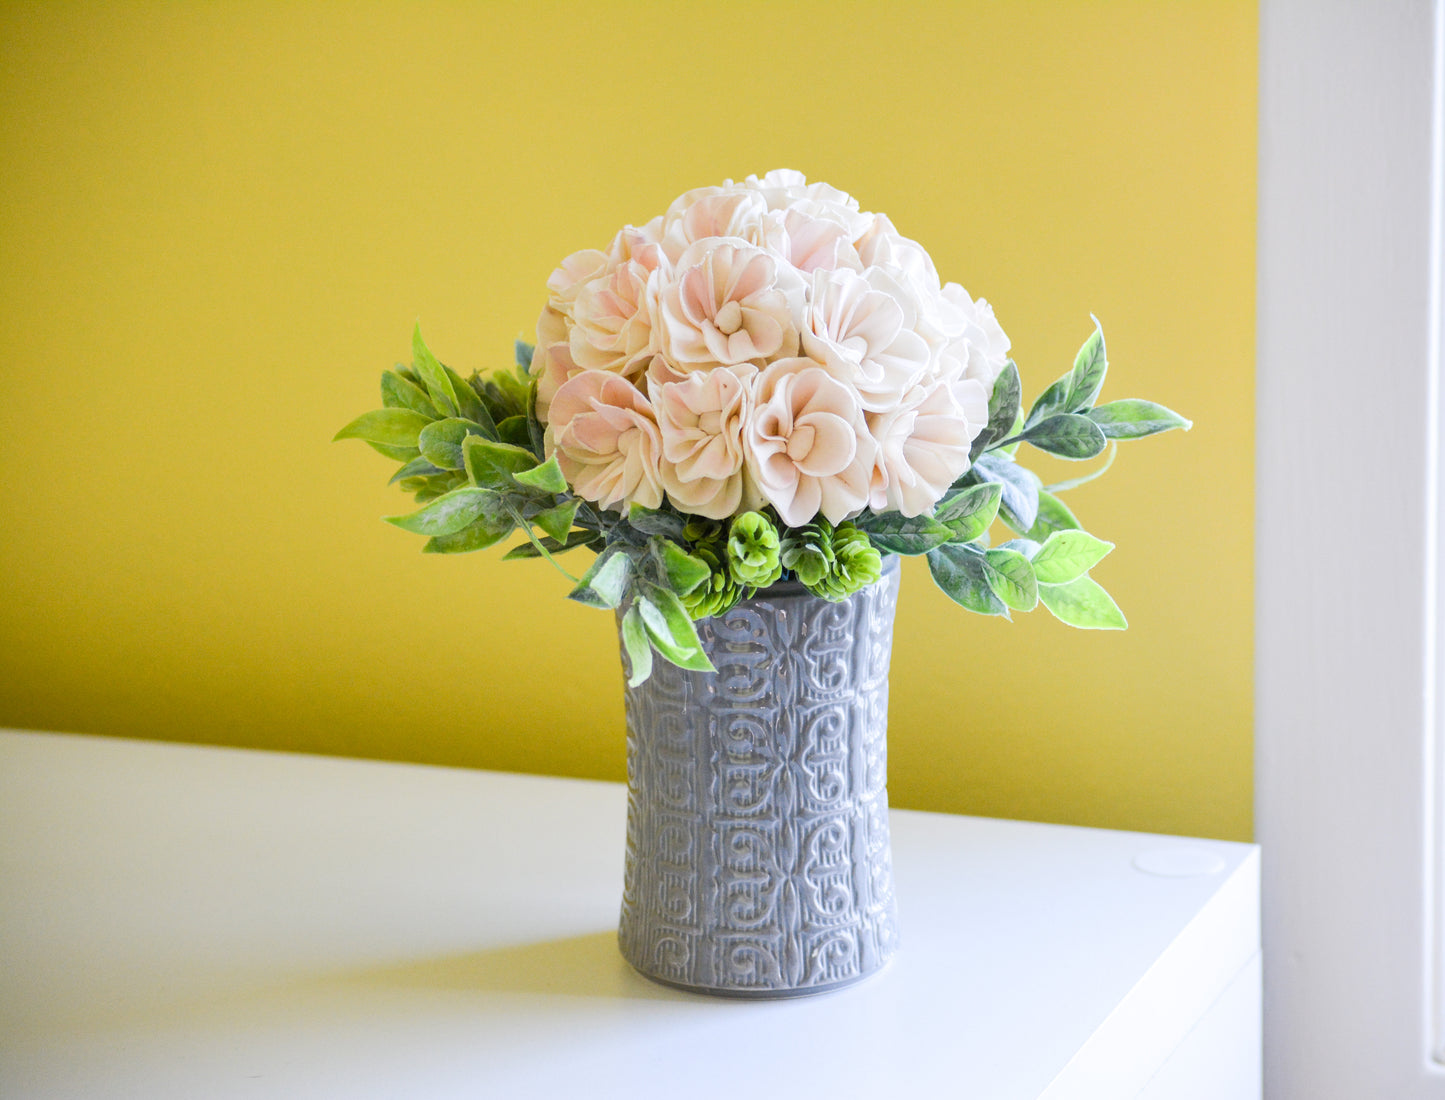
472	455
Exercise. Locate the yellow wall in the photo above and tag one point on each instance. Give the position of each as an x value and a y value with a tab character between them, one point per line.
220	222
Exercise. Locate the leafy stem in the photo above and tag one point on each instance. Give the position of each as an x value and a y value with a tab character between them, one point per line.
1084	479
536	542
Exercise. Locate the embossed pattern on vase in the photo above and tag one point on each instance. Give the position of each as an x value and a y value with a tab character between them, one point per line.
758	860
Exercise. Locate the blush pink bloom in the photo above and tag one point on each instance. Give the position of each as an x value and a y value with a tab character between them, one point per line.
729	303
807	446
612	319
923	444
736	213
863	335
977	347
808	243
606	440
552	366
701	419
905	259
572	274
641	243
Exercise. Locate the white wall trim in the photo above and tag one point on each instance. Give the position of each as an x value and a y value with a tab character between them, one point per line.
1347	522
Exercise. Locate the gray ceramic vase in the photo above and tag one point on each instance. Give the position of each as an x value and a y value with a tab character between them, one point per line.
758	862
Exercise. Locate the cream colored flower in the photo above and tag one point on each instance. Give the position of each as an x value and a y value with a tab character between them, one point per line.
641	243
721	214
977	347
606	440
906	260
808	446
808	243
787	191
861	330
612	319
701	419
729	303
923	444
552	366
572	274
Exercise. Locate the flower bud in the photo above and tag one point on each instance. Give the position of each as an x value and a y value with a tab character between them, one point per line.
752	550
856	565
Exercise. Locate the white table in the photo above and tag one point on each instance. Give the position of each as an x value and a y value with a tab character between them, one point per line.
201	922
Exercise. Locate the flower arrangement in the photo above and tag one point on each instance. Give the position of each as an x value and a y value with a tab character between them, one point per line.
765	382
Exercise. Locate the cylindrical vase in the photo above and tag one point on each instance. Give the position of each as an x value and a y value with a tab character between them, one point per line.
758	862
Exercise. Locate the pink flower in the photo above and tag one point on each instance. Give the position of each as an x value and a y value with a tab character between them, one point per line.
808	446
723	213
729	303
606	440
552	366
612	319
808	242
572	274
977	347
863	334
702	419
923	444
906	260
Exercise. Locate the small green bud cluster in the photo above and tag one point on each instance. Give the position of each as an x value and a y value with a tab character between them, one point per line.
808	551
752	550
856	564
719	593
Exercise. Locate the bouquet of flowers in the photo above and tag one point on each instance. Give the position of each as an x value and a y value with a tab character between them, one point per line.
763	383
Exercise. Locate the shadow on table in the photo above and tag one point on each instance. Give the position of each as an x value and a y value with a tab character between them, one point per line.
574	966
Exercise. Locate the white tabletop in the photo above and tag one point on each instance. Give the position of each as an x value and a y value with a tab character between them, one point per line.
203	922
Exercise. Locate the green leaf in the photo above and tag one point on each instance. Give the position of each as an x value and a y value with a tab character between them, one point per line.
1087	377
968	514
391	427
959	571
534	426
1134	418
639	651
514	430
436	484
1054	515
1067	555
651	521
438	383
446	514
1067	435
494	465
684	572
605	582
557	520
1003	408
506	393
898	534
486	530
396	454
417	467
1053	400
1020	504
1083	603
441	441
1011	577
469	405
670	628
398	393
574	540
523	353
546	477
